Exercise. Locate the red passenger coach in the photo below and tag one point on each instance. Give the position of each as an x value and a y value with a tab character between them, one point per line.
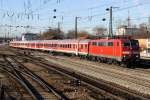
68	46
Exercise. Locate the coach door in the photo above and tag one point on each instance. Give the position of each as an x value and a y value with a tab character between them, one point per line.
117	49
114	48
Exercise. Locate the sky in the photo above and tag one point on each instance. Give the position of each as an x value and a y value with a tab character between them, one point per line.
16	15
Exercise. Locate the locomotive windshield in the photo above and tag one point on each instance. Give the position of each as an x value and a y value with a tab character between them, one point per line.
126	44
134	43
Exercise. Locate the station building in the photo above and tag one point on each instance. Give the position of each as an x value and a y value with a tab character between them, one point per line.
144	41
148	45
124	30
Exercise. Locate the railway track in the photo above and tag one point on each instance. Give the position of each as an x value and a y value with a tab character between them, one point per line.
45	64
115	72
30	81
76	78
119	91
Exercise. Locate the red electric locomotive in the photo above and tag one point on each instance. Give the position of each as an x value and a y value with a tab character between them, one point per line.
115	50
110	50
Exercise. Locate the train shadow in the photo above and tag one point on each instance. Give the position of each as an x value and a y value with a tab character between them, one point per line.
144	63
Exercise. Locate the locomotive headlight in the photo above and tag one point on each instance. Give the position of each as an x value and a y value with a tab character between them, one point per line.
137	56
125	56
126	52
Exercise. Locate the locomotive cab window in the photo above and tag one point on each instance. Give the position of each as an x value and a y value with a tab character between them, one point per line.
134	43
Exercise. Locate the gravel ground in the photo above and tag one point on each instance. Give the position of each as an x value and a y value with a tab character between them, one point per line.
59	82
129	78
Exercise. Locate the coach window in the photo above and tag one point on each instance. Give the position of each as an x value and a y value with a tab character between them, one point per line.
69	45
94	43
81	46
85	46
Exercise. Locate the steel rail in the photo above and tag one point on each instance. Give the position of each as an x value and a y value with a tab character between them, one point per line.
31	89
117	90
43	83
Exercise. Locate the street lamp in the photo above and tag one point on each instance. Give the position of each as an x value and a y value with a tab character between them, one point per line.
110	21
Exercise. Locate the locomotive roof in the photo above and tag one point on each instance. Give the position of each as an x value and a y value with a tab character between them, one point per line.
108	39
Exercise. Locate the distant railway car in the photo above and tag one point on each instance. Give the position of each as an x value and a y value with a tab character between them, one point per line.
120	50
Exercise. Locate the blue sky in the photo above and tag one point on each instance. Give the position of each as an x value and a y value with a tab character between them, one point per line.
91	13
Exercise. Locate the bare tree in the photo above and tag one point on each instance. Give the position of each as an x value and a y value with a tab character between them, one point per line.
142	32
52	34
81	34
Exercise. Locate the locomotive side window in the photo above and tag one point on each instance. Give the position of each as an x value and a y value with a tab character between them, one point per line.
110	44
100	44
